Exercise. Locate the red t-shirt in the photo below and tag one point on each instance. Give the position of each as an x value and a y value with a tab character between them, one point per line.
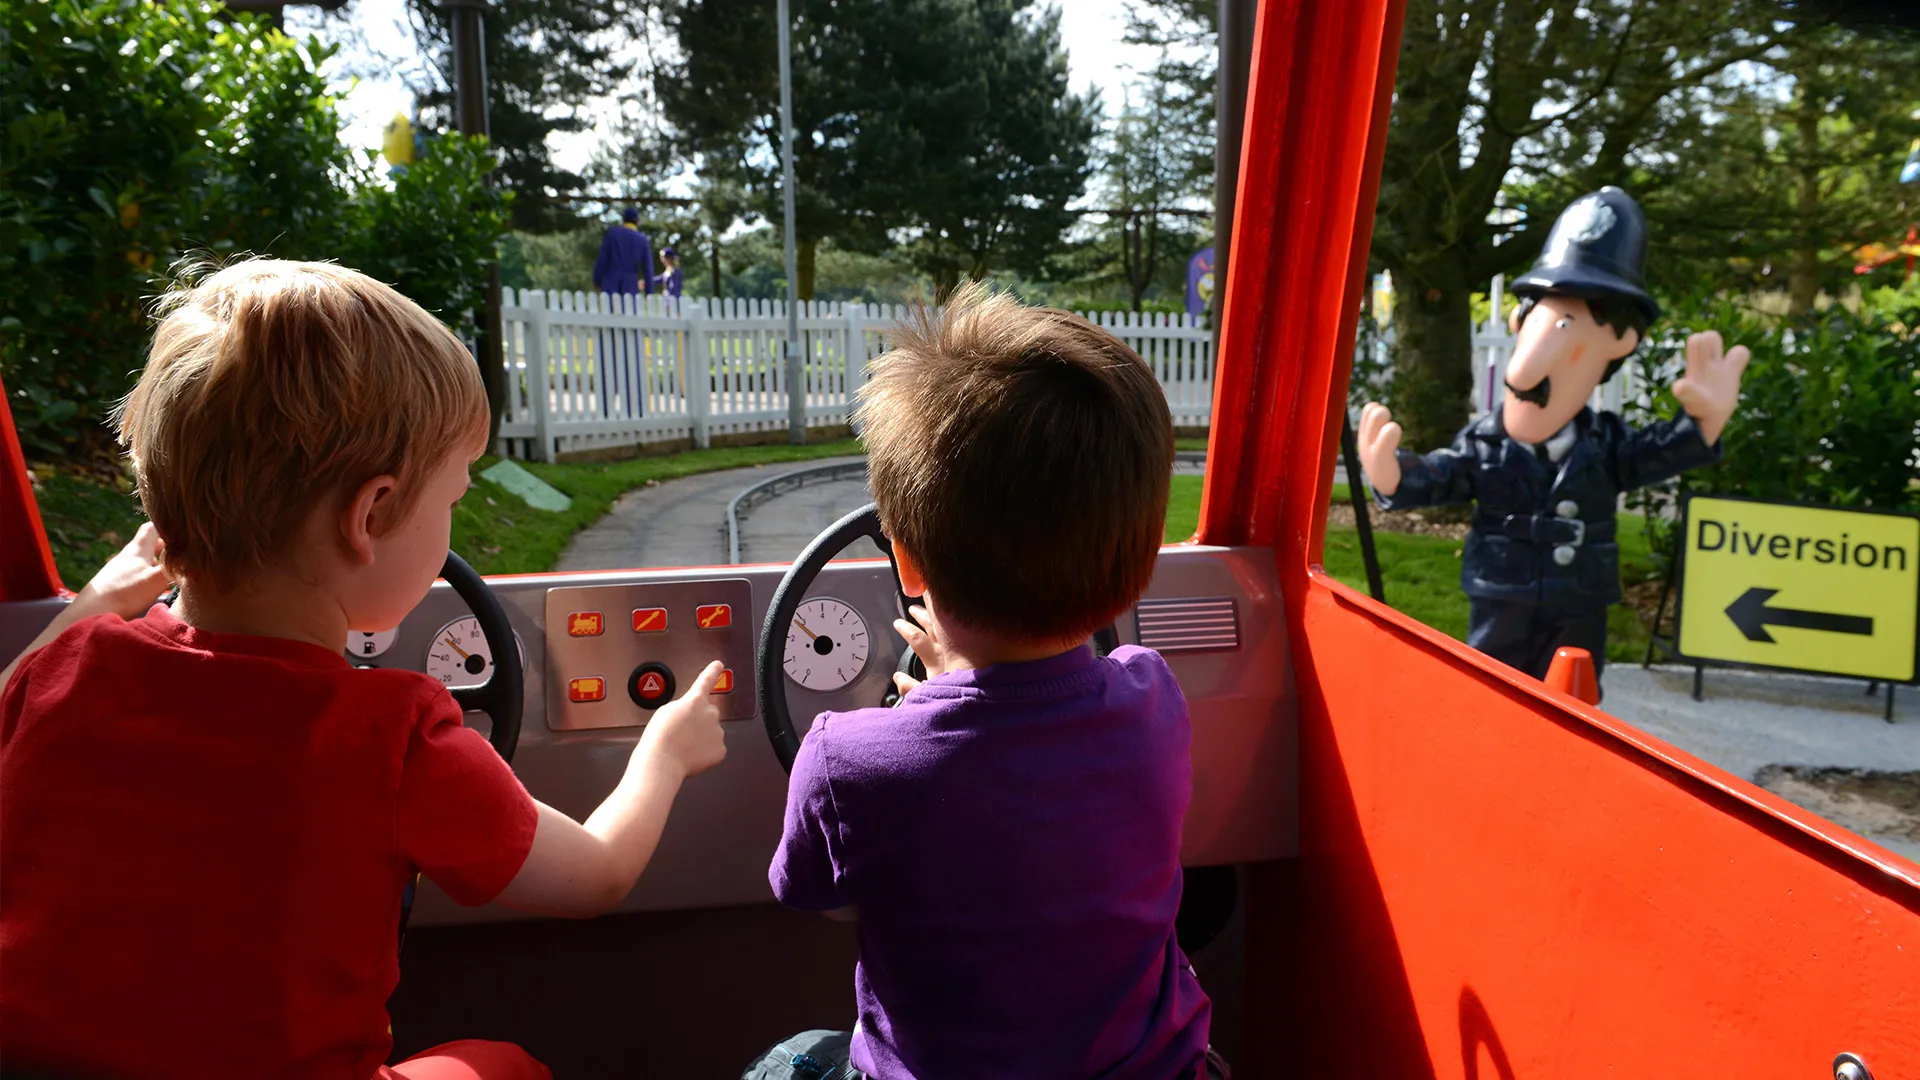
203	842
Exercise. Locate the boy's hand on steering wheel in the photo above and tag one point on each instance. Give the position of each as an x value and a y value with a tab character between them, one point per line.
926	644
131	581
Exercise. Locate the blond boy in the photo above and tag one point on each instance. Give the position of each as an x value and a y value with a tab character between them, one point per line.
207	815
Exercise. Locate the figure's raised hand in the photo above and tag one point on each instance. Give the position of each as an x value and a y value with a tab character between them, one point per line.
1711	387
1379	443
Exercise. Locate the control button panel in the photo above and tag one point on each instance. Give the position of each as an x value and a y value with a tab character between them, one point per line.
649	640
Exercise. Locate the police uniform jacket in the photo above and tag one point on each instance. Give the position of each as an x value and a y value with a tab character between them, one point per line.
1543	531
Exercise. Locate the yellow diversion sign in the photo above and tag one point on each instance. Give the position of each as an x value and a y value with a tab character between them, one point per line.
1807	588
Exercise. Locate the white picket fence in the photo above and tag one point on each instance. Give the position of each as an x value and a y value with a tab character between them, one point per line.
592	370
628	370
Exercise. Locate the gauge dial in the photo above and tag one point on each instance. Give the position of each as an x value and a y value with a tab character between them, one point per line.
367	644
459	655
827	645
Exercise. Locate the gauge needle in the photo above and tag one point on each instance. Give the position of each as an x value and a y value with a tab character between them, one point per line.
802	624
464	654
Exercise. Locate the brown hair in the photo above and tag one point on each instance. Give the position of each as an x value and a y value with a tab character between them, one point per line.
272	385
1022	456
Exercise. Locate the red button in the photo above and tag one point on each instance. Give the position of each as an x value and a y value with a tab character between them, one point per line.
724	684
651	684
590	688
713	616
585	624
650	620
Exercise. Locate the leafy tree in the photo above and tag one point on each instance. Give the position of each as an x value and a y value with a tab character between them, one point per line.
429	234
139	132
1187	35
1800	167
548	63
944	124
136	131
1146	173
1002	145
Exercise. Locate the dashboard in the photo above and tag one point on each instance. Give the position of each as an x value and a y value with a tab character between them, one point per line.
601	650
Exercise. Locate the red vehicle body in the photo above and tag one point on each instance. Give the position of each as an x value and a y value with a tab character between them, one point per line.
1492	879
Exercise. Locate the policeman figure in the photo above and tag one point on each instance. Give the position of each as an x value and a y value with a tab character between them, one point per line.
1544	470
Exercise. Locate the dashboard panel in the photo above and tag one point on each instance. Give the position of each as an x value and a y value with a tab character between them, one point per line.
1214	613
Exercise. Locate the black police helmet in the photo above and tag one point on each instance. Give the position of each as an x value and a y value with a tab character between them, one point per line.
1598	248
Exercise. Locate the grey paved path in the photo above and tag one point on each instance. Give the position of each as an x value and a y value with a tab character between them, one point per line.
1749	720
684	522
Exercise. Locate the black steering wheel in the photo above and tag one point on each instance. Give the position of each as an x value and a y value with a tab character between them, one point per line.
502	696
786	604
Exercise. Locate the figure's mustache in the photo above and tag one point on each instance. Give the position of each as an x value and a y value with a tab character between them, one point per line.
1536	394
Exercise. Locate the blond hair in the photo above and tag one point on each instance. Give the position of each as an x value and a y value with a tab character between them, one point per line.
274	385
1023	456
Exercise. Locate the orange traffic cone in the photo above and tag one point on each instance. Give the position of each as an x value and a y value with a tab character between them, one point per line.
1571	673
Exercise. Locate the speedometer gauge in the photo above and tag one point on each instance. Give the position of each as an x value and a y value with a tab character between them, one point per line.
827	645
459	654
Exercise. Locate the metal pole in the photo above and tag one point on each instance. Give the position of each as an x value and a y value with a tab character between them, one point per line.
470	112
1357	494
796	370
1229	112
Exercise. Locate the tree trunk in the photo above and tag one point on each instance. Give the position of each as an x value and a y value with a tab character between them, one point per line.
715	263
1432	354
804	257
1803	274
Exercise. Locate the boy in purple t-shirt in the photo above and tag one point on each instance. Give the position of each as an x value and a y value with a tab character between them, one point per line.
1009	834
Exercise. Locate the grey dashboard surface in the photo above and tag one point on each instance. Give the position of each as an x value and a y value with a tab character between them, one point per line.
1215	614
726	823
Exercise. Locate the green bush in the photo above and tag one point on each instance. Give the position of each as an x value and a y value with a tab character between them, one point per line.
136	132
432	233
1829	408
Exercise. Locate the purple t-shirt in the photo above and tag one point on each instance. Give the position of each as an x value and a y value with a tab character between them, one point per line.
1011	837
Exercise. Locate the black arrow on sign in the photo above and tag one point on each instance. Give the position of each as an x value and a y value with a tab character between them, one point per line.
1752	615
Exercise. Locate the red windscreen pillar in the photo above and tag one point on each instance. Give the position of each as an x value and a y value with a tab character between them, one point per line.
26	562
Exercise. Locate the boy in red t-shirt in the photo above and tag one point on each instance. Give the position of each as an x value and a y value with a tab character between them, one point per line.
207	815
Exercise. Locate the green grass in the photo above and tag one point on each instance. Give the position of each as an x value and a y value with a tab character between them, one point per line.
87	520
1421	574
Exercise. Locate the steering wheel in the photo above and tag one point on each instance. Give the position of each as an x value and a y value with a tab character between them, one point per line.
502	696
786	604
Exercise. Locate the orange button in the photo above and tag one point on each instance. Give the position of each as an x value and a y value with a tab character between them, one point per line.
650	620
590	688
713	616
585	624
724	684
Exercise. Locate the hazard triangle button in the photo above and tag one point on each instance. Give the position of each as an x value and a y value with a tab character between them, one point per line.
651	685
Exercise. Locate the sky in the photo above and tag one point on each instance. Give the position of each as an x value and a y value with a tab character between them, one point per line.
377	57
